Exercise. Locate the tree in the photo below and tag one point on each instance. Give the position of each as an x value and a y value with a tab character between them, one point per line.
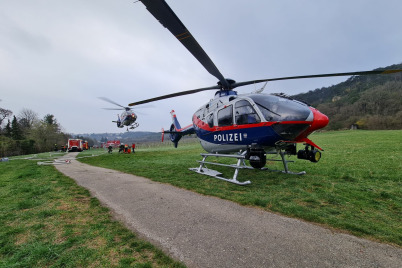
49	119
27	118
8	129
46	133
16	132
4	113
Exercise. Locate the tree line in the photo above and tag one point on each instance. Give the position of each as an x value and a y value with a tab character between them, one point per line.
26	133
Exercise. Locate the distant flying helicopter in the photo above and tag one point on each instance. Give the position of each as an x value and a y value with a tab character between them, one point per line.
251	125
126	119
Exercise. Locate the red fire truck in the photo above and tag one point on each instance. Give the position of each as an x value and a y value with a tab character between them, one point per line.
114	144
85	145
74	145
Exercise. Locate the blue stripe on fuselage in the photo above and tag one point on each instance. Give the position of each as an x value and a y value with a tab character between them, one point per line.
262	135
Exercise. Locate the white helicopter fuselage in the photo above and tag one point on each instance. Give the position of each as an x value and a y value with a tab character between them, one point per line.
127	118
235	122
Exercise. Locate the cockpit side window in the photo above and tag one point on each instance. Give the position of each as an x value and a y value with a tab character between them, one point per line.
245	113
225	116
268	113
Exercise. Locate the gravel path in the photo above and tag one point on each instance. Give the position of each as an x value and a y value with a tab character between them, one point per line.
204	231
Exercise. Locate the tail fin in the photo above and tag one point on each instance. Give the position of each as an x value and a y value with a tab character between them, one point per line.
174	135
175	131
175	122
118	121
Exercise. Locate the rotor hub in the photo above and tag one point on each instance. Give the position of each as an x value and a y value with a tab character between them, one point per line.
229	81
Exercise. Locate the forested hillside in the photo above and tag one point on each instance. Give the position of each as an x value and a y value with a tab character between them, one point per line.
368	102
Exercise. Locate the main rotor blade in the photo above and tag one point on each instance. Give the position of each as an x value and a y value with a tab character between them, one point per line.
264	80
128	108
182	93
165	15
143	106
315	76
113	109
112	102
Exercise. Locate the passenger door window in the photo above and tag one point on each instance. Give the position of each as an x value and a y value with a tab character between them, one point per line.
210	120
225	116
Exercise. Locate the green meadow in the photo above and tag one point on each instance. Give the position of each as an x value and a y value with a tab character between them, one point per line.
354	188
47	220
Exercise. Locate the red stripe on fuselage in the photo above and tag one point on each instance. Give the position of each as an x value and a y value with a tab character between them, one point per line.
203	125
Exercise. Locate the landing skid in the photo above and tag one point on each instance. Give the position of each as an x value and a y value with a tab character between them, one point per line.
217	175
135	125
241	164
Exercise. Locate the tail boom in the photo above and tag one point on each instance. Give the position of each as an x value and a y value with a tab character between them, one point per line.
176	132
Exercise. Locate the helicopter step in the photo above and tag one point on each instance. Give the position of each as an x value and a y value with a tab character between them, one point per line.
241	164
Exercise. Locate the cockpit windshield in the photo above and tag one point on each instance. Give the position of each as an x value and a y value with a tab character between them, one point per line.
276	108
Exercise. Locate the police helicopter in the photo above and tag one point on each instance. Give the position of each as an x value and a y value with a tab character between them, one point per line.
126	119
251	125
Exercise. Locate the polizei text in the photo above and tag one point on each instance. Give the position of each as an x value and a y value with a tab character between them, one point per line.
228	137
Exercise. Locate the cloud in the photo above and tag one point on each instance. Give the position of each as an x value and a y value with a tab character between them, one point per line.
58	56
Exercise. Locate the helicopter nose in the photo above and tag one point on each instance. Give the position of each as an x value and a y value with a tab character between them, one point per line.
320	120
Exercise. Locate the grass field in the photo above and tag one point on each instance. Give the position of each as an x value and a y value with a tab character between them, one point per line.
356	186
47	220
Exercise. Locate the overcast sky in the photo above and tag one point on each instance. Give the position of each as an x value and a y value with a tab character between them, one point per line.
57	57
